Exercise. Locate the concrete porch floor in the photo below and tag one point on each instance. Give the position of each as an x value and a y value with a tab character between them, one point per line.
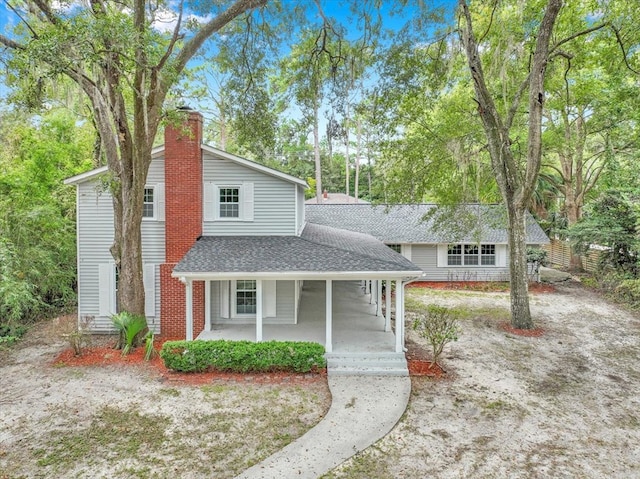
356	328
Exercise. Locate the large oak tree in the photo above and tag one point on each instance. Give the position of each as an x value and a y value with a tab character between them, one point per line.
125	63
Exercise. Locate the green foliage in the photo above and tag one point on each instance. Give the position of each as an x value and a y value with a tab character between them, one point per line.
612	220
129	326
149	349
537	255
37	227
628	291
439	326
242	356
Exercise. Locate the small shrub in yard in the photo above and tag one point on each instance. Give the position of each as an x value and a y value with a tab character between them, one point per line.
628	291
129	327
439	326
242	356
77	334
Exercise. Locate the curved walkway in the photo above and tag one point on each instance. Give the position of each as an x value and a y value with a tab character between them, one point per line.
363	410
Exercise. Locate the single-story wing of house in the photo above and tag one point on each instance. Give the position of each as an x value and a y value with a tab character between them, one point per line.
230	250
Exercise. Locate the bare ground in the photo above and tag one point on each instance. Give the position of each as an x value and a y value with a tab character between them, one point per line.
126	422
564	405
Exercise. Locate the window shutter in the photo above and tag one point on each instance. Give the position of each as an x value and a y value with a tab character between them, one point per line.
247	207
149	280
224	299
159	192
406	251
209	207
443	250
269	299
106	287
501	255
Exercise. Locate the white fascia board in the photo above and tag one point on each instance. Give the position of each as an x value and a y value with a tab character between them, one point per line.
87	175
254	165
302	275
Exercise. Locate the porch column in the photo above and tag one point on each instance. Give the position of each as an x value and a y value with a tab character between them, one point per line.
369	290
399	316
329	315
378	297
387	312
258	310
207	305
189	309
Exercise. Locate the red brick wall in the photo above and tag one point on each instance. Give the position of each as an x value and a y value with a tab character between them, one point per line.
183	223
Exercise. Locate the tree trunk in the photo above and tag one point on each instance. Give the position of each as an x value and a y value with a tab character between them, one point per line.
356	187
316	153
520	312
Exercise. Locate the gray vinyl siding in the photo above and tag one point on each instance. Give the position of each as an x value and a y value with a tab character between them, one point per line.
285	304
300	208
95	237
426	257
274	205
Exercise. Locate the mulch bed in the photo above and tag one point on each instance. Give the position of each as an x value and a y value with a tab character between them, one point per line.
528	333
419	363
106	355
487	286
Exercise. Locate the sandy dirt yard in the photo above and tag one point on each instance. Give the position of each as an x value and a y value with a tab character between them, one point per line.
129	422
564	405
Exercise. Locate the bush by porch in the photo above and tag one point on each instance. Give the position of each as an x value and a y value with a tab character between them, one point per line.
243	356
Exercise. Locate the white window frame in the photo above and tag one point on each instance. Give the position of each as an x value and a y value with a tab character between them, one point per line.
154	203
397	247
234	298
219	204
479	255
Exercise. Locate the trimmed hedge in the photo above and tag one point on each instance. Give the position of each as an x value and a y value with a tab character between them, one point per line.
242	356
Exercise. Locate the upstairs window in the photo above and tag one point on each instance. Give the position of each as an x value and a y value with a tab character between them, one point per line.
229	202
148	203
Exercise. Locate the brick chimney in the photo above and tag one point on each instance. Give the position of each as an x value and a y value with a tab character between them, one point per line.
183	220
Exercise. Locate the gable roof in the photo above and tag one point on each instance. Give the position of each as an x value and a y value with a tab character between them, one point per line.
319	251
159	151
395	224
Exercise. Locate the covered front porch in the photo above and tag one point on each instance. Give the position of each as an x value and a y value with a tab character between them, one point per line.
355	323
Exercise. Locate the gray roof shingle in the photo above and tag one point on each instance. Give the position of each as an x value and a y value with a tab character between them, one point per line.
319	249
407	224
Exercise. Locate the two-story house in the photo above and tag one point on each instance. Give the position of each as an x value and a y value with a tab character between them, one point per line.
228	246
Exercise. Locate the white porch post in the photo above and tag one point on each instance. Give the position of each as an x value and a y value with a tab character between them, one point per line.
328	312
207	305
258	310
189	309
378	297
399	316
387	315
369	290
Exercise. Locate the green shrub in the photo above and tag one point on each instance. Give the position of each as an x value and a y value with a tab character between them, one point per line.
242	356
129	326
439	326
628	291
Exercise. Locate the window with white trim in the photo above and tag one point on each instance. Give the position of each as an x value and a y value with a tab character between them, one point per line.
395	247
229	202
471	255
246	296
148	203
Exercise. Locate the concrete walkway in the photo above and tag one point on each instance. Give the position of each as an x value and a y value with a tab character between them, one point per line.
363	410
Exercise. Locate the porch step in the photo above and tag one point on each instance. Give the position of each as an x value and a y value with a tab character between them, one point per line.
366	364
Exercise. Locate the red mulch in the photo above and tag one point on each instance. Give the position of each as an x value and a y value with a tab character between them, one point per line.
106	356
528	333
420	367
488	286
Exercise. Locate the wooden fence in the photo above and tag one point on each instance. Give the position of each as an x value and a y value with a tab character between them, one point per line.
559	254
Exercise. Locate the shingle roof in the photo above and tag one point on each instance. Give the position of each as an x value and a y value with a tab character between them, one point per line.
394	224
319	249
336	199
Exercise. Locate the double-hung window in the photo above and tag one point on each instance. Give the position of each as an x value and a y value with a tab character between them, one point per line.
246	296
148	203
229	202
471	255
